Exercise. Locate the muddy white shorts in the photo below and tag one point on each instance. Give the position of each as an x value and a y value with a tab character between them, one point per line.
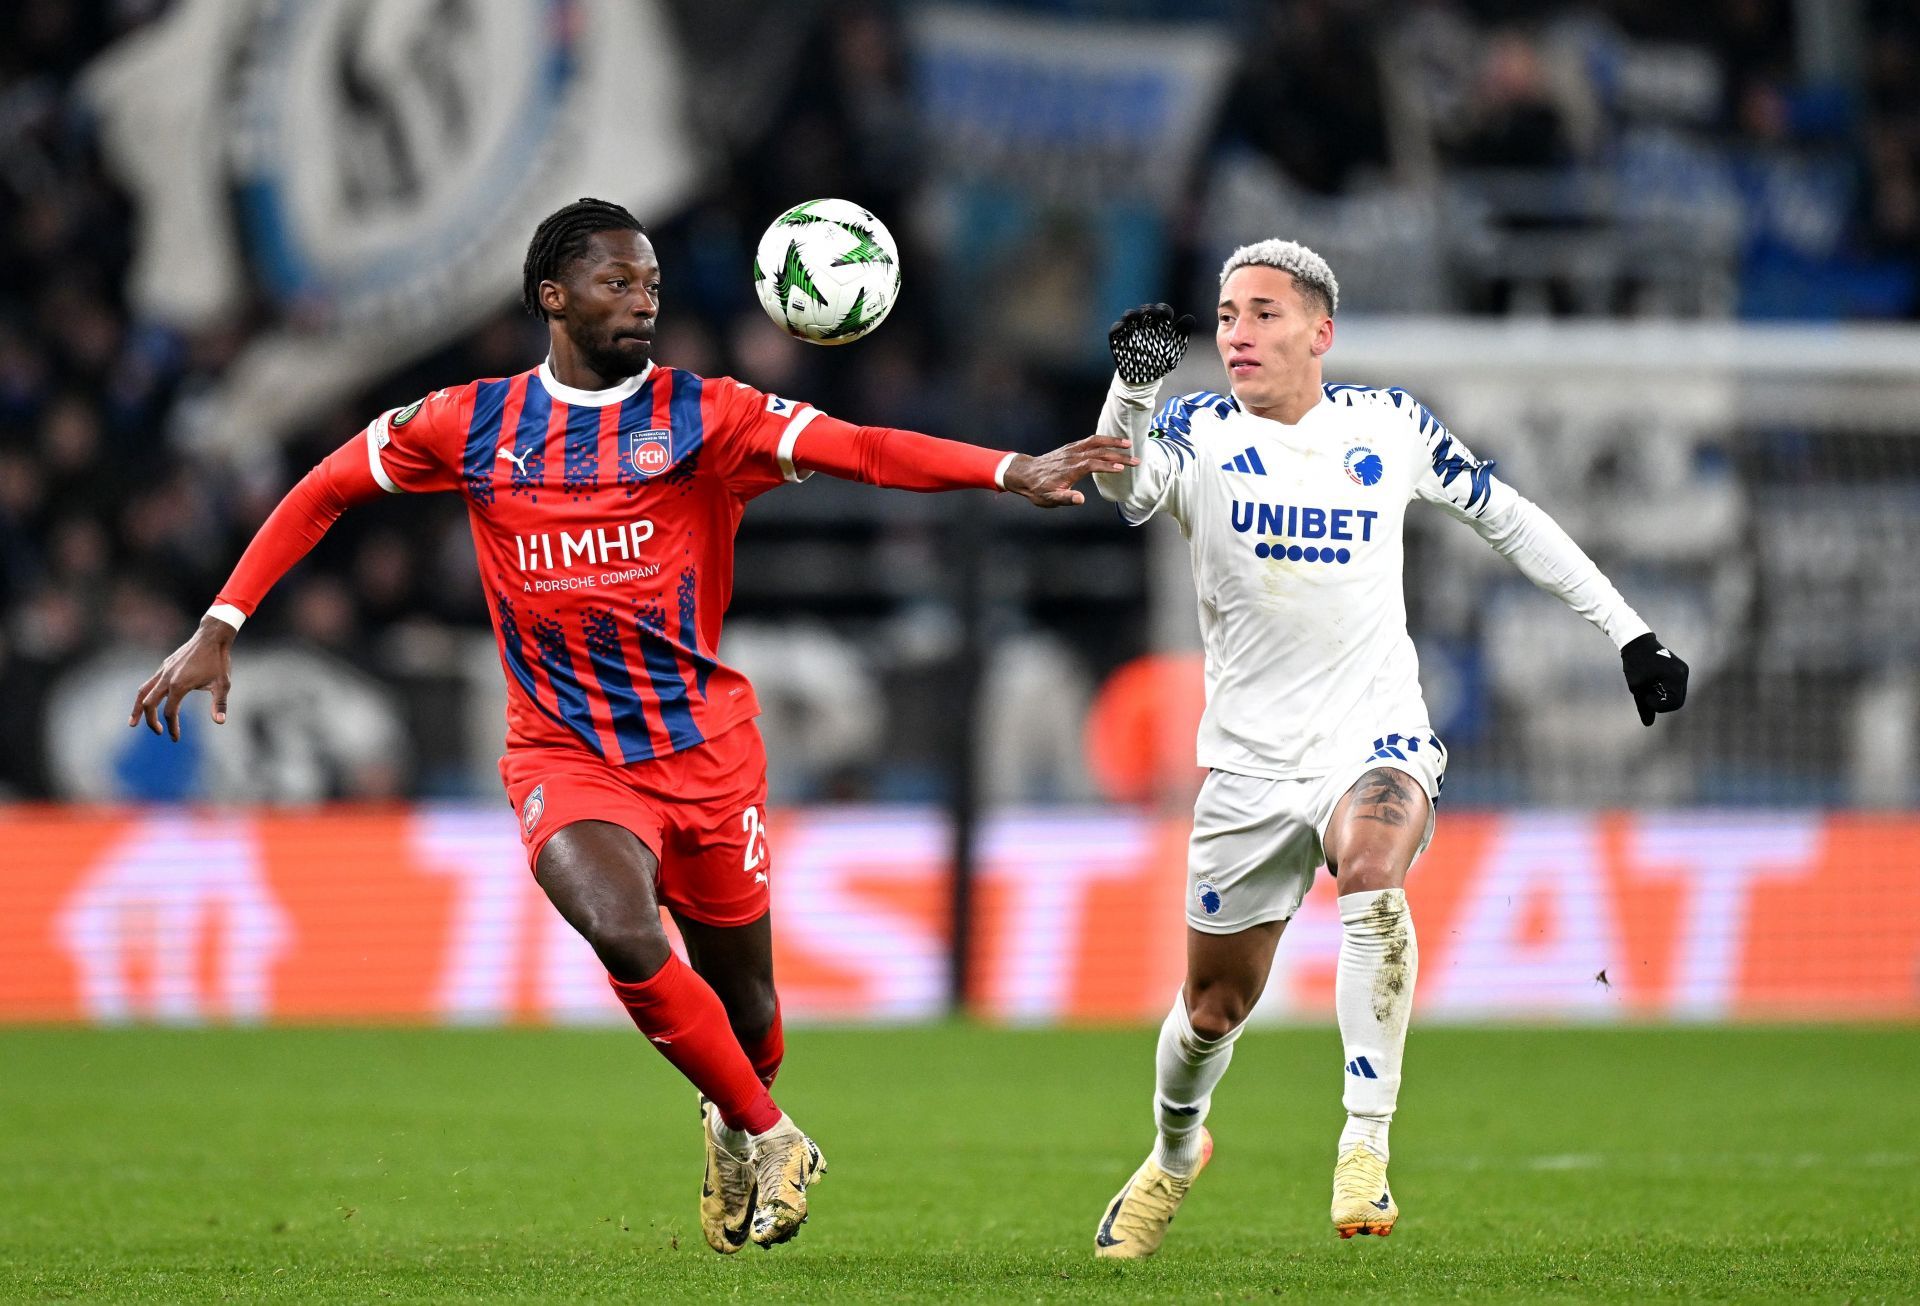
1257	842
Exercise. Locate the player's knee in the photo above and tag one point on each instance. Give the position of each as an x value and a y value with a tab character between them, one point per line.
630	950
1217	1011
1369	869
1214	1023
751	1010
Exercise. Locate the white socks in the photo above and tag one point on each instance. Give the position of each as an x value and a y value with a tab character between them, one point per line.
1186	1070
1373	996
737	1141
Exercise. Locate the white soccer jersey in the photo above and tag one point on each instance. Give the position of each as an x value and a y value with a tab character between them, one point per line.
1296	535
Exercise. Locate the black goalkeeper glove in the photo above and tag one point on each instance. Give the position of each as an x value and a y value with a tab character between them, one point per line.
1656	677
1147	342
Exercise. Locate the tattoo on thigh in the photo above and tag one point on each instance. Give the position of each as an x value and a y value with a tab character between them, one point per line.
1383	795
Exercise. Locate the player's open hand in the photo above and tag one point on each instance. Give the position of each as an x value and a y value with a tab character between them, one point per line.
1047	481
1148	342
203	662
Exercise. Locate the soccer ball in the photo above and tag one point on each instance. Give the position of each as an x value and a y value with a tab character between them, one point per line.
827	271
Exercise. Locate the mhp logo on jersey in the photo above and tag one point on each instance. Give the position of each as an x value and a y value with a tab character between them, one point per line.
1364	466
650	452
533	809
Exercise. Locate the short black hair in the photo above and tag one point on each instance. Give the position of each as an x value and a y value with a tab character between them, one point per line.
562	237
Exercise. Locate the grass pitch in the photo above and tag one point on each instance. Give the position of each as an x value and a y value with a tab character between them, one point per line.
967	1164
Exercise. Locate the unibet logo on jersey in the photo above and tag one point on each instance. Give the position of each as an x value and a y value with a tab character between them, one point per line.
1277	522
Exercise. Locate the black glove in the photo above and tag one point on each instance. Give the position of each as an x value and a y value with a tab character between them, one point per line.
1147	342
1657	678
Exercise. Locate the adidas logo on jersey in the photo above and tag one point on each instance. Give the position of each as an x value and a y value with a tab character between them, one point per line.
1248	462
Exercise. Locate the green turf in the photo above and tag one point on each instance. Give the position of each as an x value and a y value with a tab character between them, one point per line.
967	1164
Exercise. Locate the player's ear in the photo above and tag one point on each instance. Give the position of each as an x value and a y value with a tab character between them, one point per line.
553	298
1322	337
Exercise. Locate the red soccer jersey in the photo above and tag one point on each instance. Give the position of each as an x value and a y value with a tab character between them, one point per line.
604	524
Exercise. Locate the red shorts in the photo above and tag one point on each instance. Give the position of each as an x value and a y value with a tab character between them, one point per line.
701	811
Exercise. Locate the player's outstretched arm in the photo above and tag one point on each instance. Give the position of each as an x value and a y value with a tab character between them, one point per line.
1523	533
908	460
205	661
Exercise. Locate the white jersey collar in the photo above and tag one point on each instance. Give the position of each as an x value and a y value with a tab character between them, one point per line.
593	398
1311	414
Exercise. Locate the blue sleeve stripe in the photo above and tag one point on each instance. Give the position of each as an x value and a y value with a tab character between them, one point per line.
1176	415
1450	466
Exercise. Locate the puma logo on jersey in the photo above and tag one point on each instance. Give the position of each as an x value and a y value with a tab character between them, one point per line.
519	461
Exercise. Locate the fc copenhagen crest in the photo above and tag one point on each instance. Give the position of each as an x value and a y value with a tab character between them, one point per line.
649	452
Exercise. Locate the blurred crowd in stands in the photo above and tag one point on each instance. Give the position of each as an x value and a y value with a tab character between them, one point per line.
1448	153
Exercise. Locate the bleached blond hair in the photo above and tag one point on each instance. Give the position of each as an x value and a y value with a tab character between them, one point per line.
1308	270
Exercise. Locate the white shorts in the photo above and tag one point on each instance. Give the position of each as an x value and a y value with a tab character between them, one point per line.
1257	842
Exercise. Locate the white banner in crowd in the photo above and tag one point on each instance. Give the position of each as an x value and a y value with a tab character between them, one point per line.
368	172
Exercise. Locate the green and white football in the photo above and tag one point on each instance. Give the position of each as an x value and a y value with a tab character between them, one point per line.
827	271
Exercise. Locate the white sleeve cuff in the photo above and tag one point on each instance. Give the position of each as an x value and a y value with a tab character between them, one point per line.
1140	396
1627	626
1000	472
228	613
378	437
788	439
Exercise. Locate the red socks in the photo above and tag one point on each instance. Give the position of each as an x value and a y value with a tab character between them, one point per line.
683	1018
766	1055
